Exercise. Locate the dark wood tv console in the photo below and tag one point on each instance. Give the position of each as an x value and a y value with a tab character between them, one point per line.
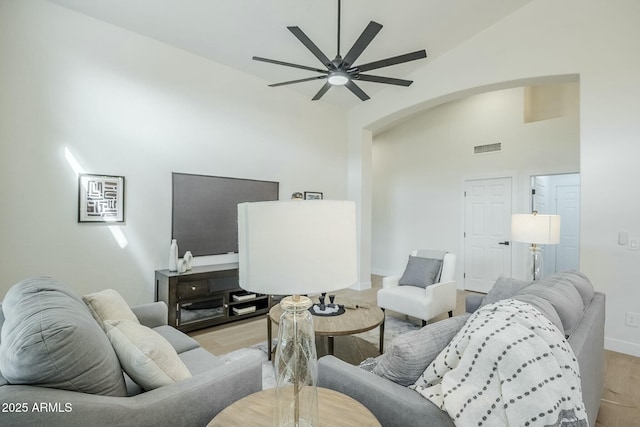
207	296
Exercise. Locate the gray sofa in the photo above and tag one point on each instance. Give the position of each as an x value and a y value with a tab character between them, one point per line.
194	401
395	404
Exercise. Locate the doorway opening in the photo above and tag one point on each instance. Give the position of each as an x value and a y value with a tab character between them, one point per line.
559	195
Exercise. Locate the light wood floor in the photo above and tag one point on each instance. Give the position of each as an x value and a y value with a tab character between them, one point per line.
619	407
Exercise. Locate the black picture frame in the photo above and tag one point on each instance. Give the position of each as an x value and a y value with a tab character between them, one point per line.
313	195
100	198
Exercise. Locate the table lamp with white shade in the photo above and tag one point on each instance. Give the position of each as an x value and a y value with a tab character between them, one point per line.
296	248
537	230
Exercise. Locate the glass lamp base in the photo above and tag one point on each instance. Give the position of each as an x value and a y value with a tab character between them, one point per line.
296	366
537	264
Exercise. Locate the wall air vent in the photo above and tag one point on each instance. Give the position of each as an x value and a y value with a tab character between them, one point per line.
488	148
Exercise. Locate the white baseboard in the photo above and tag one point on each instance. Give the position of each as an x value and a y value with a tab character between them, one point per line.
383	273
361	286
620	346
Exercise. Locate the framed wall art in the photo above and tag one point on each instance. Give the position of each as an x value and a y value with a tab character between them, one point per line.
100	198
312	195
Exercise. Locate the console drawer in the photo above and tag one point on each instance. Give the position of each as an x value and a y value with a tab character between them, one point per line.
193	289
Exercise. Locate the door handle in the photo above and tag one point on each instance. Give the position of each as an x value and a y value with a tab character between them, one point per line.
506	243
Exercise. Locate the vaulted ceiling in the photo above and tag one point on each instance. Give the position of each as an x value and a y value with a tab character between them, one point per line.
231	32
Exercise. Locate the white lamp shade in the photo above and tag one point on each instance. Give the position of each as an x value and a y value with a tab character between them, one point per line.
297	247
538	229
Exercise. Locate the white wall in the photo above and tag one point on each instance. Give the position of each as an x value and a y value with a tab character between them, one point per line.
593	39
126	105
419	168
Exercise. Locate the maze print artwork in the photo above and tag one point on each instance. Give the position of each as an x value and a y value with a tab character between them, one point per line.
101	198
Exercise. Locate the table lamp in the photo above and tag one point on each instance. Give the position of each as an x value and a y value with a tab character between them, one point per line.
296	248
537	230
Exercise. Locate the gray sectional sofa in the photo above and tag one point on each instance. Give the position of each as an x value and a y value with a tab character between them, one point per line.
68	374
567	299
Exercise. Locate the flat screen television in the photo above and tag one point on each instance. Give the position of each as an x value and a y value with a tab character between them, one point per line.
204	212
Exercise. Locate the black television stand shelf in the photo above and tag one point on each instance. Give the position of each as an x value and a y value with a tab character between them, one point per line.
207	296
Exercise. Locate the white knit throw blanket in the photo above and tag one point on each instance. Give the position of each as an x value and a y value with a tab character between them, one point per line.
508	366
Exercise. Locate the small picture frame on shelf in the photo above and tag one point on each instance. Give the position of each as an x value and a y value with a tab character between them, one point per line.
100	198
312	195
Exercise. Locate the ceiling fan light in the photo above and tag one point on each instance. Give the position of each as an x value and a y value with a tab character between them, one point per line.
338	79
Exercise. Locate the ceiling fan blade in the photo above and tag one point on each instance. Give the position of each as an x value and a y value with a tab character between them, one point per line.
356	90
386	80
322	91
310	45
288	64
419	54
363	41
308	79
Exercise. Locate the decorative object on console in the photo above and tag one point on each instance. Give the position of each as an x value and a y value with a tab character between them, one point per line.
537	230
184	264
173	255
297	196
100	198
294	248
188	259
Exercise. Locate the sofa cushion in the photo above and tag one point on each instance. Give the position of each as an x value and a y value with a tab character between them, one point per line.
544	307
108	305
420	272
578	280
562	295
145	355
505	287
50	339
409	354
181	342
199	360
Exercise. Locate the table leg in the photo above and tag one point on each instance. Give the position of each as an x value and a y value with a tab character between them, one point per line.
269	349
330	345
382	337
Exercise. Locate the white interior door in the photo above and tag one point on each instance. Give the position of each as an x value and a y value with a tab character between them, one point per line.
487	232
568	207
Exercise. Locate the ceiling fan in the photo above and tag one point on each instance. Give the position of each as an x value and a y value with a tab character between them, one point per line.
342	71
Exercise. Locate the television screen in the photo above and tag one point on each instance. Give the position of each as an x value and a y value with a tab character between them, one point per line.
204	217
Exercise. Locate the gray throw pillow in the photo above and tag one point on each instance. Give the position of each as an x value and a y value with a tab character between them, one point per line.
50	339
409	354
420	272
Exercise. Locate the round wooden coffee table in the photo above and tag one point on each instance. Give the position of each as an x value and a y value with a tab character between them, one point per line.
353	321
334	409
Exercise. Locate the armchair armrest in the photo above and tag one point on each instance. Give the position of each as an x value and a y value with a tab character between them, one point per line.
442	296
391	403
390	281
190	402
151	315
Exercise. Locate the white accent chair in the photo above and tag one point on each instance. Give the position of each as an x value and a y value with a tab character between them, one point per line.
423	303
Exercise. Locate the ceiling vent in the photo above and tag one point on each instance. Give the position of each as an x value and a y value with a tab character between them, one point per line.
488	148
